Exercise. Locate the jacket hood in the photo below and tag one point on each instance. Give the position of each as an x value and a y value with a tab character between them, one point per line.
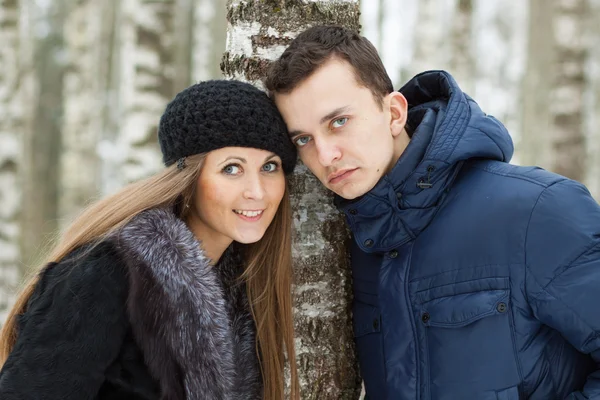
449	129
461	130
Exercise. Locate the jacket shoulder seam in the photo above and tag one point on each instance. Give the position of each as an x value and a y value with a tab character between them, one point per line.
565	266
515	176
526	238
545	289
569	264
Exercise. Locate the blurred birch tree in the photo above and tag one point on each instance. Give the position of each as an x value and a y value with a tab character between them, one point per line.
43	70
12	119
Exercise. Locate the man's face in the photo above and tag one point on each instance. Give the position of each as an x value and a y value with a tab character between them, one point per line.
344	136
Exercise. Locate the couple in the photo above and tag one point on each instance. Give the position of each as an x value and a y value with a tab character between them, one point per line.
473	278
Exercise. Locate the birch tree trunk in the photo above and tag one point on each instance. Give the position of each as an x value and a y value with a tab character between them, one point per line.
88	32
428	38
184	24
553	88
110	155
146	83
257	33
566	106
381	14
11	126
433	24
500	37
42	143
209	35
593	109
540	73
462	63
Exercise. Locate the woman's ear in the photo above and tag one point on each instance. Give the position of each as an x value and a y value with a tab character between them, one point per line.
398	106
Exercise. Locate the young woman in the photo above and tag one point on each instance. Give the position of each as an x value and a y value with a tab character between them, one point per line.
178	286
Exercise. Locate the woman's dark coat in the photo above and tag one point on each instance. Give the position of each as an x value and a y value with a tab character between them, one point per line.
143	315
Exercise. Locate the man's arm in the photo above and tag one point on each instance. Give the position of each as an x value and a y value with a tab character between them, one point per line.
562	256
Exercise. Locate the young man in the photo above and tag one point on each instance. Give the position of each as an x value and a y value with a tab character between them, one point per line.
473	279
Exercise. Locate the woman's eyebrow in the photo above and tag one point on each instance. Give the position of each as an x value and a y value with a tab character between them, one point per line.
243	160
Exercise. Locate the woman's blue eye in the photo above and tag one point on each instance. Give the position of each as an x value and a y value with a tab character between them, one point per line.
270	167
301	141
339	122
232	169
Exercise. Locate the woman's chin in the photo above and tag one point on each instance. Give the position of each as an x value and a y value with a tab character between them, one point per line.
249	237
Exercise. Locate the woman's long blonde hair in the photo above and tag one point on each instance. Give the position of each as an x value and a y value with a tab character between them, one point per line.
268	271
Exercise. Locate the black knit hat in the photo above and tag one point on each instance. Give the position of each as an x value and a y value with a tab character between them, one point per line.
222	113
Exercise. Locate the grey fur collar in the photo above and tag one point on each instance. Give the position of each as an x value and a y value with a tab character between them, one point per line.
190	319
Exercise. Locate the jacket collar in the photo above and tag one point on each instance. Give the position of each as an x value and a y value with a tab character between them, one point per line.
450	128
191	319
405	200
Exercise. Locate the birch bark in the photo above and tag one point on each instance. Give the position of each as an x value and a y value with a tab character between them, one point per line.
257	33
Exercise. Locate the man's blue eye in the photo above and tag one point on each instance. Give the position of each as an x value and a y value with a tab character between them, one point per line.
339	122
301	141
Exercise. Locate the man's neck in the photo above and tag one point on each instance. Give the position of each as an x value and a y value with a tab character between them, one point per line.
400	144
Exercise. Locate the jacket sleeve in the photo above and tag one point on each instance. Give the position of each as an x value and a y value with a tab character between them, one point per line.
72	330
563	270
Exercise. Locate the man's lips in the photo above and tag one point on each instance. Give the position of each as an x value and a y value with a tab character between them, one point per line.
339	176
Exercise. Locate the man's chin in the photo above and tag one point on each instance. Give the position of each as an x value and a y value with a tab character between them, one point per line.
354	190
348	193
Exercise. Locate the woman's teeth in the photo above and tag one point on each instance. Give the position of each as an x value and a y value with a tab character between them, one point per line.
250	214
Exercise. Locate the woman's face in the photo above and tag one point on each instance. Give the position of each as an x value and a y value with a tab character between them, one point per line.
238	193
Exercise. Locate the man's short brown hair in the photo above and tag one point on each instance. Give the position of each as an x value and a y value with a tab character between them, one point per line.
317	45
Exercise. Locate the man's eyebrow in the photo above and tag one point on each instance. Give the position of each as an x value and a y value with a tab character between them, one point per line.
326	118
334	113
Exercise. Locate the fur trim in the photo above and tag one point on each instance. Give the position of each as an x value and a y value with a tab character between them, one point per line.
190	319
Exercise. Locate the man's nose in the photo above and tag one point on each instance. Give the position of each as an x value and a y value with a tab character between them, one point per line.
328	151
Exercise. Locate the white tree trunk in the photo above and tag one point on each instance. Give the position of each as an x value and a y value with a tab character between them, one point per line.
209	33
553	87
183	52
535	144
462	63
108	150
11	125
502	26
42	140
259	32
592	121
146	80
87	33
566	107
431	49
381	17
392	32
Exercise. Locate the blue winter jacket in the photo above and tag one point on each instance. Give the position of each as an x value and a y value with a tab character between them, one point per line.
473	279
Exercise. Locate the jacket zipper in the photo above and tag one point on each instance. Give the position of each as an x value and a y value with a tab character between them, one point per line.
412	319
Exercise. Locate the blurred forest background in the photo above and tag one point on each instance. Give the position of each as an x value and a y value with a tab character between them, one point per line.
84	82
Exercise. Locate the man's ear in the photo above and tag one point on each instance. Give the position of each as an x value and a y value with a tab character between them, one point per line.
398	106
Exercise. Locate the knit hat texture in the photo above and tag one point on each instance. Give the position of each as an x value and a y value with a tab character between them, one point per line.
223	113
